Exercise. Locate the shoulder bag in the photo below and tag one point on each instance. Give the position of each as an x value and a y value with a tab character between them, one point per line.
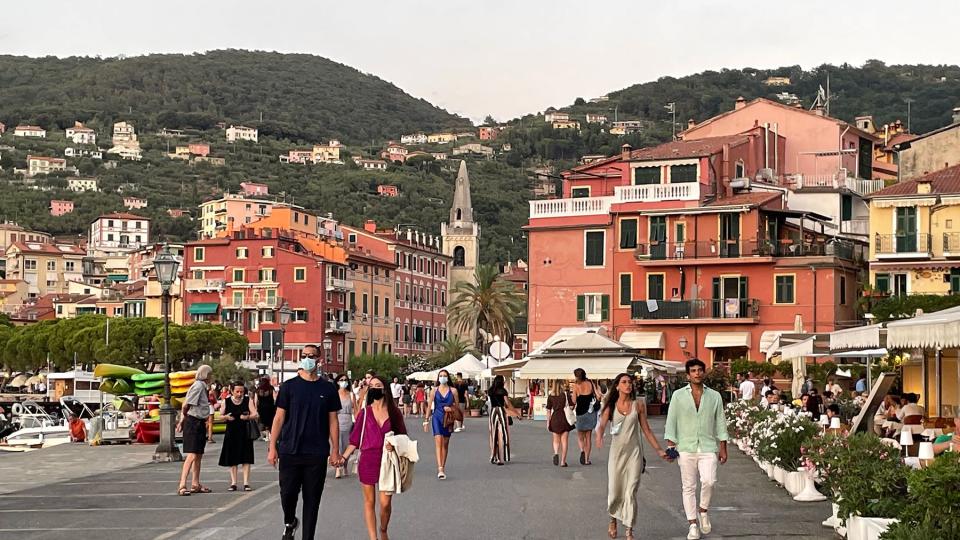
253	430
569	411
363	428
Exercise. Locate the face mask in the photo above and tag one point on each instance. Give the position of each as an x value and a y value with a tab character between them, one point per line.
374	394
443	380
344	384
308	364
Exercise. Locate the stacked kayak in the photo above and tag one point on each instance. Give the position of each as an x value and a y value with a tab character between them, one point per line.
116	379
150	384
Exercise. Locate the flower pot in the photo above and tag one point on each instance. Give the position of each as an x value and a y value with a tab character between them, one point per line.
867	528
779	475
794	482
768	468
475	412
808	488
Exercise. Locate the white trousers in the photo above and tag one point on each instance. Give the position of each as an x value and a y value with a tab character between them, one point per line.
694	465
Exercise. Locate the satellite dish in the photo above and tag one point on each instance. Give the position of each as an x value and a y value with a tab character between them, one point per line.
500	350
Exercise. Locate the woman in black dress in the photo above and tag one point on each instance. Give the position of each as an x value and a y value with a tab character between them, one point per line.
237	447
266	406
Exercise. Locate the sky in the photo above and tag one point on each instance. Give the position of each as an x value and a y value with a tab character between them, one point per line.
504	58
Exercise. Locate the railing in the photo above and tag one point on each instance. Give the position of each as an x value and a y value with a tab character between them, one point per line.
720	308
900	244
250	302
583	206
338	327
837	180
686	191
337	283
712	249
859	226
203	284
951	244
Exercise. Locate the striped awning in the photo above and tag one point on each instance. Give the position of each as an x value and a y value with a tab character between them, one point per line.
562	368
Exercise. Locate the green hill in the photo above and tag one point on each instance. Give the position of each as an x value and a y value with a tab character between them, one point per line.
300	97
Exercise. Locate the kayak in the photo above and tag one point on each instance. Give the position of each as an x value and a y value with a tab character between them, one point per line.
149	377
115	371
150	384
122	386
107	386
184	375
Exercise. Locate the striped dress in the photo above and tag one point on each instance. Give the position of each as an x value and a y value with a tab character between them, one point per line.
499	434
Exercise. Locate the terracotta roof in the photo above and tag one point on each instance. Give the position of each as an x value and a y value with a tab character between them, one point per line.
899	138
123	215
752	198
942	182
688	149
52	249
33	128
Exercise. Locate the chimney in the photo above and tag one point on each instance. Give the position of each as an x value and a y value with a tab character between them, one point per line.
740	103
924	186
690	123
370	226
625	151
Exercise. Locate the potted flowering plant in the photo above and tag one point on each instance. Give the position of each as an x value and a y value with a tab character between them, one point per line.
932	509
477	406
780	439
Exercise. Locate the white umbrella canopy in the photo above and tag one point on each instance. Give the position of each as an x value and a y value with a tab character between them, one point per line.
468	365
19	381
36	379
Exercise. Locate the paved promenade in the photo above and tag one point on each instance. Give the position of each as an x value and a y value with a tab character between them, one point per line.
115	493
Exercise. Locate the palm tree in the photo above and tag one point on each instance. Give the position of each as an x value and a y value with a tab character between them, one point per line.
491	303
451	349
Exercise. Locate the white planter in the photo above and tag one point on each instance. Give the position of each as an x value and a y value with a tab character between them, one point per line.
867	528
794	482
768	468
779	475
808	489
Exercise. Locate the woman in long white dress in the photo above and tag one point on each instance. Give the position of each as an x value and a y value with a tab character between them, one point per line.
627	416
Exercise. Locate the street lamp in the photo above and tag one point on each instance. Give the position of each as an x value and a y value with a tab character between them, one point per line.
327	347
285	315
166	265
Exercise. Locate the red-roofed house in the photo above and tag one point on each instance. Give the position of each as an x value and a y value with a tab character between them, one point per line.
673	252
118	233
44	165
253	188
60	208
30	131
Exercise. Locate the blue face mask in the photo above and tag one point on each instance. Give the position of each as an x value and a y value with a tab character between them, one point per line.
308	364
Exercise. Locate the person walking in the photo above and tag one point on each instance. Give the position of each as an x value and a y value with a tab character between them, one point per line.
557	423
625	414
362	393
193	424
237	449
378	417
344	419
266	405
305	434
696	428
407	400
461	387
500	409
420	401
586	395
396	390
442	399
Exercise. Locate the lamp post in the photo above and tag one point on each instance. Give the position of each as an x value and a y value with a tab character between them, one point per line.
285	315
327	347
166	265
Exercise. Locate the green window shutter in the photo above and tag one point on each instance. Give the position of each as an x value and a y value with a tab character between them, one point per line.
605	307
882	283
717	301
581	307
846	207
743	287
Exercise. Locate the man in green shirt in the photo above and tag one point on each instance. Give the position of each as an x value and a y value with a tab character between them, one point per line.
697	429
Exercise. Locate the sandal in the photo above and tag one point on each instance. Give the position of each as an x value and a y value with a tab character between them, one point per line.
246	487
183	491
563	465
233	487
200	489
629	534
612	529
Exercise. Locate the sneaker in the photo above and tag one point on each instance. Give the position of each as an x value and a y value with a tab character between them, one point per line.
289	529
458	430
694	532
705	525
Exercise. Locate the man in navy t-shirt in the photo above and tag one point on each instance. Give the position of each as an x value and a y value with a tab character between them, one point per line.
305	434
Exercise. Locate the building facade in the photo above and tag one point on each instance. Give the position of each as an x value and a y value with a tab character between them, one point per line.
118	233
81	134
44	165
461	242
242	133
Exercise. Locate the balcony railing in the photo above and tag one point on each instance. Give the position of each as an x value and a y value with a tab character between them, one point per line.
583	206
686	191
860	226
720	308
834	181
203	284
250	302
915	245
951	244
724	249
334	284
338	327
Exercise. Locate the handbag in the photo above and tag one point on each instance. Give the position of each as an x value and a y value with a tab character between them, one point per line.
363	428
253	430
570	412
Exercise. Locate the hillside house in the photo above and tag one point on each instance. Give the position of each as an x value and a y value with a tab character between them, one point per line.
566	124
81	134
215	161
134	203
596	118
44	165
488	133
199	149
327	153
371	164
441	138
439	155
82	184
178	212
626	127
388	191
124	133
301	157
473	149
60	207
777	81
242	133
414	138
555	116
118	233
253	188
395	152
30	131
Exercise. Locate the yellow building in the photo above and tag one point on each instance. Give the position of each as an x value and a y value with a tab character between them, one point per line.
915	235
45	267
233	211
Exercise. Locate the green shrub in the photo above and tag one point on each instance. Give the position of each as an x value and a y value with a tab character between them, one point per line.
932	510
869	477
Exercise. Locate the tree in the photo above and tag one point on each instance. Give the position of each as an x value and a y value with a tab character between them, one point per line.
385	365
489	120
451	350
490	303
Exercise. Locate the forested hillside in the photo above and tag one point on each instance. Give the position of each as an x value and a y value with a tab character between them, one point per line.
300	97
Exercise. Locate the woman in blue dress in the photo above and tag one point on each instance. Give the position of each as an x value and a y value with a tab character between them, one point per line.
441	399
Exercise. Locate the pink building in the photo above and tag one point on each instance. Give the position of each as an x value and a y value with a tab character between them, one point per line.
178	212
59	208
253	188
817	146
488	133
199	149
388	191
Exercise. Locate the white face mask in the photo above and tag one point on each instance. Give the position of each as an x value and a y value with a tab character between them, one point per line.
443	380
344	384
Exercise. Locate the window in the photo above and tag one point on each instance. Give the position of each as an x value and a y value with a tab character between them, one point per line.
459	256
655	286
646	175
364	310
266	252
784	288
268	316
386	307
300	275
267	275
626	289
740	170
881	283
300	315
363	347
252	321
30	264
198	254
352	238
238	274
396	332
628	233
406	332
843	291
352	348
593	307
241	253
70	265
593	248
683	173
954	280
846	207
198	274
52	266
109	237
376	305
900	285
396	289
581	192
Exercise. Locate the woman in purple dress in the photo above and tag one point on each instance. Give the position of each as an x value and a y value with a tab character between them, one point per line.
379	417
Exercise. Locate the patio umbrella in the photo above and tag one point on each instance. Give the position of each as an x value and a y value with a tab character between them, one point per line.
19	381
36	379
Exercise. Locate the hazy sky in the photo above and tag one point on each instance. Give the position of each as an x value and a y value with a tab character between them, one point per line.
501	57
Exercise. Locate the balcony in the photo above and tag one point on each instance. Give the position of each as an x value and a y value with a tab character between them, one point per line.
202	285
338	327
858	226
687	191
951	245
669	310
728	249
584	206
250	302
337	284
834	182
902	246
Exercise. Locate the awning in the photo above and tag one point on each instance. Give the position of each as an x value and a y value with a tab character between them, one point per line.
861	337
643	340
203	308
861	353
507	368
668	366
799	349
718	340
117	278
769	342
927	331
603	367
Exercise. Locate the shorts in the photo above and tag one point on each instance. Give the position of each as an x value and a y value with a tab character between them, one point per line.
194	435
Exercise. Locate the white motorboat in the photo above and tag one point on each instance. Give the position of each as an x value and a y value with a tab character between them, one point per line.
37	428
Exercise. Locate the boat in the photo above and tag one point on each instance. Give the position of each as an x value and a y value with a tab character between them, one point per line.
36	428
84	386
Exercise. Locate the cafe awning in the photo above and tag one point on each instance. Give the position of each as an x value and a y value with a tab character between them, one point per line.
769	341
926	331
799	349
643	340
203	308
604	367
860	337
719	340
